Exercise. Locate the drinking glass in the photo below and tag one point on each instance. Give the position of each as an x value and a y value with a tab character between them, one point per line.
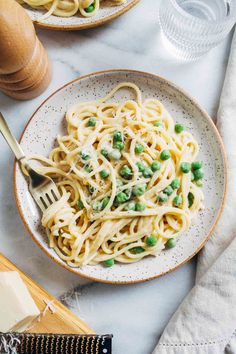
191	28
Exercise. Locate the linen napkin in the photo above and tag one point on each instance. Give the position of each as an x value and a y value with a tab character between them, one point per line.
205	323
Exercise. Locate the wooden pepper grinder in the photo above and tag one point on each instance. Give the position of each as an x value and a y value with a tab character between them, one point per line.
25	70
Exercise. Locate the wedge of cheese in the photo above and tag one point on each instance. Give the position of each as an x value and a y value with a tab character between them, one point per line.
17	308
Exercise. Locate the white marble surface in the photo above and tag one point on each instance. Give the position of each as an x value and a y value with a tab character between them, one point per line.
135	314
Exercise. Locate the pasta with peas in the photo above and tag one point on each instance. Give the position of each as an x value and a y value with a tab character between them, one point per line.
129	181
67	8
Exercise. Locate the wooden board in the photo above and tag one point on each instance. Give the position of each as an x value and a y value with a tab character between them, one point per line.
61	321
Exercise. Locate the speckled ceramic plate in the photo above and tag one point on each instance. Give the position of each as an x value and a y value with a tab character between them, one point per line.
106	13
48	121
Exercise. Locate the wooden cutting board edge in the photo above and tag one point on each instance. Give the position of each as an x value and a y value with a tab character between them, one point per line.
61	321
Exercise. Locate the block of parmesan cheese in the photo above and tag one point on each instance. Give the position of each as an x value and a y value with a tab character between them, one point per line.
17	308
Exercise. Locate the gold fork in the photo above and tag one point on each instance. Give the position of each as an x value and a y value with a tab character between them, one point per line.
42	188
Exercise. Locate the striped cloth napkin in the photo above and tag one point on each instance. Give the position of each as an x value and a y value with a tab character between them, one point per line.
205	323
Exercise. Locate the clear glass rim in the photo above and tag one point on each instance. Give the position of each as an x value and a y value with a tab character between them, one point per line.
229	18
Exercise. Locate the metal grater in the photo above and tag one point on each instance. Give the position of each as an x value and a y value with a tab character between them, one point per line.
29	343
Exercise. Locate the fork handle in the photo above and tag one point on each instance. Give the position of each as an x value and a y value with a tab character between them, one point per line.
10	139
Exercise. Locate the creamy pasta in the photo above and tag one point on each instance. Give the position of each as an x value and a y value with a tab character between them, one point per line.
67	8
129	181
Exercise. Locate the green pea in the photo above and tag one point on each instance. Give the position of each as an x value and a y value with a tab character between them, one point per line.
130	206
179	128
104	153
138	148
137	250
140	206
109	262
104	173
105	202
185	167
147	173
119	183
177	200
97	206
199	183
168	190
196	165
158	124
155	166
84	156
120	198
162	198
117	136
88	168
80	204
141	166
139	189
171	243
92	122
165	155
175	184
192	177
151	240
118	145
114	154
198	174
190	199
91	189
89	9
126	172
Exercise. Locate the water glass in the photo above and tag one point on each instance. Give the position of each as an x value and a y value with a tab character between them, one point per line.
191	28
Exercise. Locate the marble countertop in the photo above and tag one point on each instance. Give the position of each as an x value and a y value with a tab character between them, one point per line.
135	314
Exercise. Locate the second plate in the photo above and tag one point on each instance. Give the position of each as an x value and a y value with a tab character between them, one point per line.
106	13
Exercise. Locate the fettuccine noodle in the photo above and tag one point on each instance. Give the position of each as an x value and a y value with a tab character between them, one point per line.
123	172
67	8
